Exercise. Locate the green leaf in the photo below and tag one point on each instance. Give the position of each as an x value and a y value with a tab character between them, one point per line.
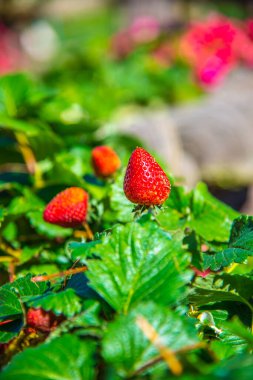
179	200
239	367
10	306
50	230
237	328
126	347
18	126
65	358
5	337
210	218
138	262
90	316
2	215
80	251
42	140
10	329
23	204
120	207
174	213
228	346
32	207
224	287
65	302
40	269
197	210
239	248
14	91
63	174
25	287
86	323
28	252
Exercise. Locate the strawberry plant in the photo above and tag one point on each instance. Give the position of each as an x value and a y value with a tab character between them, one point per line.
89	288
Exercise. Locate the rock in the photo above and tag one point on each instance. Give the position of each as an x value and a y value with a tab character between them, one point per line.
210	139
157	130
162	10
217	131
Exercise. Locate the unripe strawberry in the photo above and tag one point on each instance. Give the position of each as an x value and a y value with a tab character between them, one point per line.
145	182
105	161
41	320
68	208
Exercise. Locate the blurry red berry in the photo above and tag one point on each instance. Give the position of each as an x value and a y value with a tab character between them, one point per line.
40	319
105	161
68	208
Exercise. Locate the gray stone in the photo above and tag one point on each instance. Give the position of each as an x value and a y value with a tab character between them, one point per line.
156	129
217	131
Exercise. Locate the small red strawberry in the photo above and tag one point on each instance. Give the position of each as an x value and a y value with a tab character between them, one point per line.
105	161
42	320
145	182
200	273
68	208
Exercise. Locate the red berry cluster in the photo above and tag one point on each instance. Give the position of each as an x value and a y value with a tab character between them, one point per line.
145	184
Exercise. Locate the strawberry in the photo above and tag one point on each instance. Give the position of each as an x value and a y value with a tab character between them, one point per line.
105	161
42	320
145	182
200	273
68	208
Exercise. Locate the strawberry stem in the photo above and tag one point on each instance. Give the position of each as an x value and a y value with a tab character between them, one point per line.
88	231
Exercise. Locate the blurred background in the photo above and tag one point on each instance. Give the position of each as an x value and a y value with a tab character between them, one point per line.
176	75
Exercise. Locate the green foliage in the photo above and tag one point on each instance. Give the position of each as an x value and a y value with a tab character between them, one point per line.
198	211
64	358
10	306
120	207
239	367
25	287
223	287
138	294
239	248
65	302
127	348
210	218
130	267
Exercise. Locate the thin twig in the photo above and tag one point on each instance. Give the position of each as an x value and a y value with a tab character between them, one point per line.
68	272
11	271
159	358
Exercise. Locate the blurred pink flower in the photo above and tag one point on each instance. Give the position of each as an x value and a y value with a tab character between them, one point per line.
243	47
9	53
144	29
249	28
208	47
141	31
212	70
121	45
163	54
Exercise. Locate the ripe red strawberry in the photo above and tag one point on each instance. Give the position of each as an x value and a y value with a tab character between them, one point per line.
42	320
145	182
105	161
68	208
